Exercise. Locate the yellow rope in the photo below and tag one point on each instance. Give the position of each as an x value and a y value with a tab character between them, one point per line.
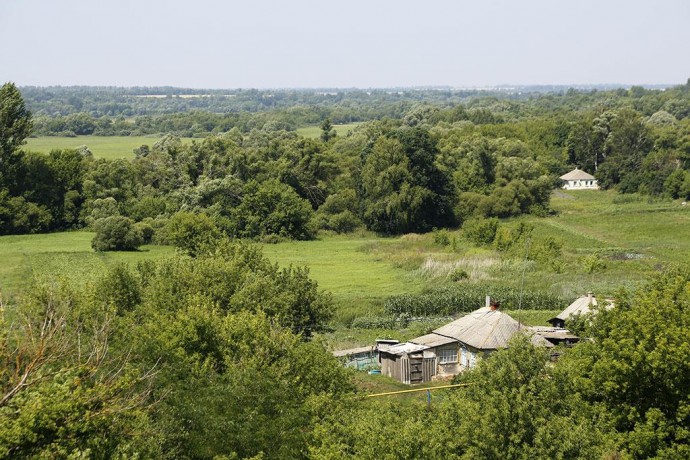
418	389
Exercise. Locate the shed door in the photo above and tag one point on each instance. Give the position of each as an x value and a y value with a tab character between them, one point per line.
416	371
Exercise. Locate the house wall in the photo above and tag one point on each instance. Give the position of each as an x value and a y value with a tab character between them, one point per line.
581	185
390	365
448	369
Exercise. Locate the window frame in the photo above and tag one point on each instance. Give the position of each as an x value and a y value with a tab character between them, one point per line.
448	356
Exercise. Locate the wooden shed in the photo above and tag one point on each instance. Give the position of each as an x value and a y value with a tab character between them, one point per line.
408	362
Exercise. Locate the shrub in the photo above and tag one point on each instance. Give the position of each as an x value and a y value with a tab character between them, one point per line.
481	231
441	237
116	233
458	275
191	232
147	231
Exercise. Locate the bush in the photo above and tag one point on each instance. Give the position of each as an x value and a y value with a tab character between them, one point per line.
441	237
458	275
191	232
116	233
147	231
481	231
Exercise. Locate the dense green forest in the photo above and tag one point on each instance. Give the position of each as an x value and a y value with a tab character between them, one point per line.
417	166
217	352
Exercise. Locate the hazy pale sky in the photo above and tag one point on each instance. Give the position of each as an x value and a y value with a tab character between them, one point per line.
357	43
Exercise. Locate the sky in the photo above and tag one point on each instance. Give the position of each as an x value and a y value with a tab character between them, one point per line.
362	44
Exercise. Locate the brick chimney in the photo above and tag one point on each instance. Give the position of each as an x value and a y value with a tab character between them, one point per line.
494	305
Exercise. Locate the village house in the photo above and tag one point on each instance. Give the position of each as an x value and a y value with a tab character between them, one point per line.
581	305
579	180
454	347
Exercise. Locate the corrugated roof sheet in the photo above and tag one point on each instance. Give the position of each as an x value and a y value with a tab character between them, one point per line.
433	340
352	351
403	348
580	306
485	329
577	174
553	332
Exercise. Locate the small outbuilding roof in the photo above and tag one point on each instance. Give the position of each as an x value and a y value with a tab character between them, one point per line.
486	329
403	348
577	174
352	351
557	333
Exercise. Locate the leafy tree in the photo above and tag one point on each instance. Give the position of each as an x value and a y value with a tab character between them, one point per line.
15	127
403	190
327	131
339	212
512	408
64	391
635	371
271	208
191	232
116	233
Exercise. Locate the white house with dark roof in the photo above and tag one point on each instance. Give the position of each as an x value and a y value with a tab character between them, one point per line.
579	180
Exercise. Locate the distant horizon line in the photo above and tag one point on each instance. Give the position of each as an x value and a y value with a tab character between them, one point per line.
504	86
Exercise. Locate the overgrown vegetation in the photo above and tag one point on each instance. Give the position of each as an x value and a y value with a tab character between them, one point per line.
213	351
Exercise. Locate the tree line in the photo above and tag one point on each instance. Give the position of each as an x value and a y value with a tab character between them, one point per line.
430	168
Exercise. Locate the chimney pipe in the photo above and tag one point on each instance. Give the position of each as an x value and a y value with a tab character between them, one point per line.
487	303
590	296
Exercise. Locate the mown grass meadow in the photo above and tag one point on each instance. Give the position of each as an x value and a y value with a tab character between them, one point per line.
108	147
315	131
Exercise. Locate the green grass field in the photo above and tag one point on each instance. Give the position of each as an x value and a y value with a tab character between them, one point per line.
66	255
637	239
109	147
315	131
358	279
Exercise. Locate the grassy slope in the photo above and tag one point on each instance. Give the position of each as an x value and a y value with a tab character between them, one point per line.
358	280
635	237
59	255
109	147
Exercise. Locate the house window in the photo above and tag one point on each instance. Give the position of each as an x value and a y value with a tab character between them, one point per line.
448	356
